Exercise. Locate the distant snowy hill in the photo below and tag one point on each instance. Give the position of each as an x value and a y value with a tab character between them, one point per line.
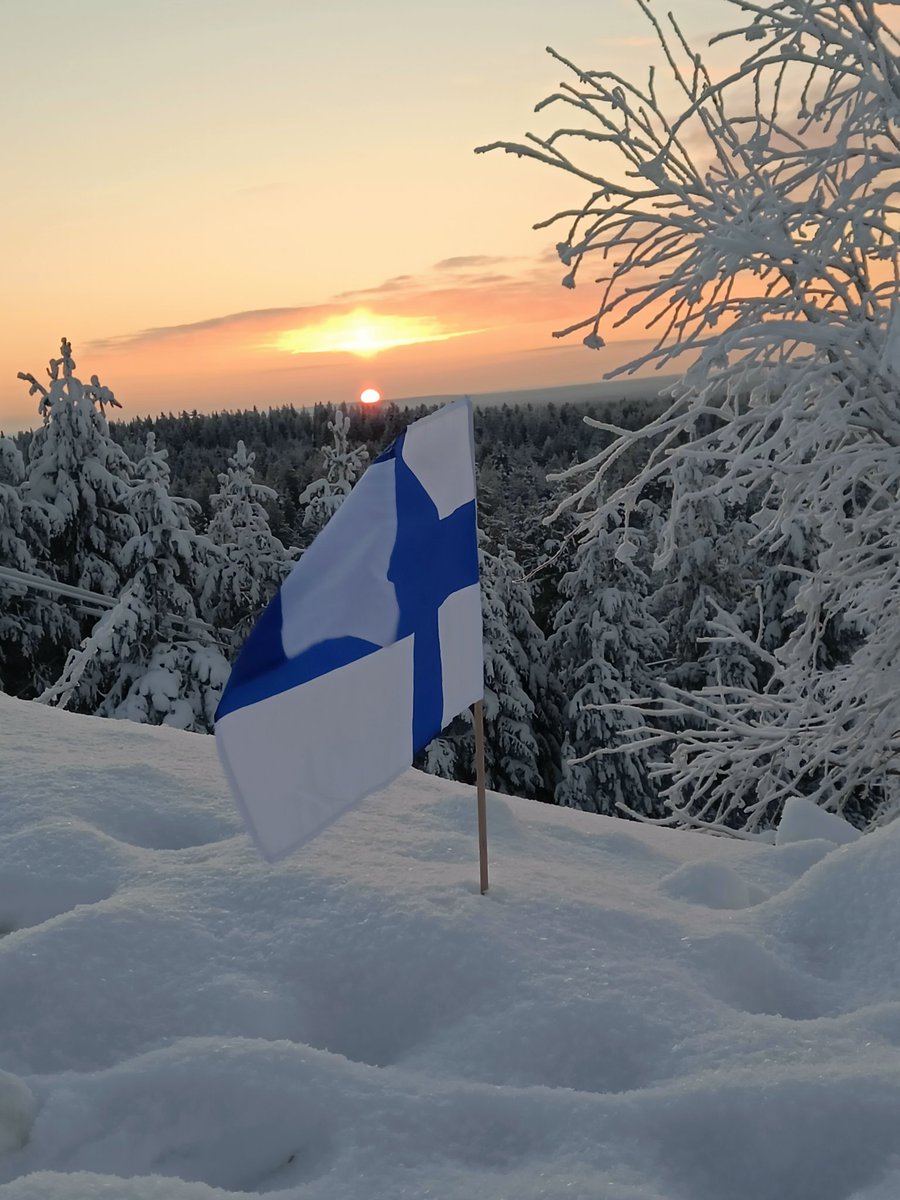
630	1013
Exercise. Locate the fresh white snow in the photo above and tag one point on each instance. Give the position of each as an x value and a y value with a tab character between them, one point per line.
631	1013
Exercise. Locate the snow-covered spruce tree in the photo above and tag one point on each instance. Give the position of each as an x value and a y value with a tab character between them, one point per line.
343	466
527	636
14	551
712	571
513	673
248	563
752	221
77	491
28	619
605	649
770	614
150	658
80	478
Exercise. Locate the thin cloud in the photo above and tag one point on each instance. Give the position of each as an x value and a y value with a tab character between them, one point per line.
251	320
460	302
397	283
464	262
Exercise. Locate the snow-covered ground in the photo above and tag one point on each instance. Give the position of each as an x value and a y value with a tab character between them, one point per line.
629	1014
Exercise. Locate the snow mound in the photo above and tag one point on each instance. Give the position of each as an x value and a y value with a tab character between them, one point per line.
713	884
803	821
842	918
631	1012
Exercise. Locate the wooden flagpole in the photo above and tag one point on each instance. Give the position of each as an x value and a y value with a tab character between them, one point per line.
478	721
478	714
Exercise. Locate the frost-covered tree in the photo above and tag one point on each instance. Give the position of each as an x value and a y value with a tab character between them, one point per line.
517	592
150	658
19	631
606	649
343	465
248	563
747	213
79	478
76	491
14	551
514	673
28	619
713	571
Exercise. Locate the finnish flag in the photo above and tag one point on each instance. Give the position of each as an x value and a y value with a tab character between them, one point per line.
372	645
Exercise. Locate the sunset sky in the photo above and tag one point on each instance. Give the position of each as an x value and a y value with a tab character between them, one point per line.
224	203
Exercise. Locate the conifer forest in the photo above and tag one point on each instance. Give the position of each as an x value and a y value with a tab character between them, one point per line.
188	523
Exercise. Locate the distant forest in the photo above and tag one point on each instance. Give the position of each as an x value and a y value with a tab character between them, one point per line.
516	447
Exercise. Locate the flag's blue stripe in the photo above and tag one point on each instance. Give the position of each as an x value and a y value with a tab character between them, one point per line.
263	669
263	650
428	683
432	558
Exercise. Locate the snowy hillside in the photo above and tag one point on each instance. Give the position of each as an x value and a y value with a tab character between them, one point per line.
629	1014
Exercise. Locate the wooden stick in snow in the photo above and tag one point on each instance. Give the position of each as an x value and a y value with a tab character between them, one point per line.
478	714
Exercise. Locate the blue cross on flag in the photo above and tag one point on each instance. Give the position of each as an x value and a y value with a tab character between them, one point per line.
372	645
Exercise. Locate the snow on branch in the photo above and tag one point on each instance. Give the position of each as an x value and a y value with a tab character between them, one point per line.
747	218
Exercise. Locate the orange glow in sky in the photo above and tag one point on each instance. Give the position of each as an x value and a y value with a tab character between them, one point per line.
362	333
216	247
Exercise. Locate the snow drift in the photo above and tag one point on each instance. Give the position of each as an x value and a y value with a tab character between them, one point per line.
630	1013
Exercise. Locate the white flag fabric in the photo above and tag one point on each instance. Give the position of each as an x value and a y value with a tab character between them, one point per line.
372	645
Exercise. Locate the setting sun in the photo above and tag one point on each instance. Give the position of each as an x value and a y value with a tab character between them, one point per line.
369	395
362	333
